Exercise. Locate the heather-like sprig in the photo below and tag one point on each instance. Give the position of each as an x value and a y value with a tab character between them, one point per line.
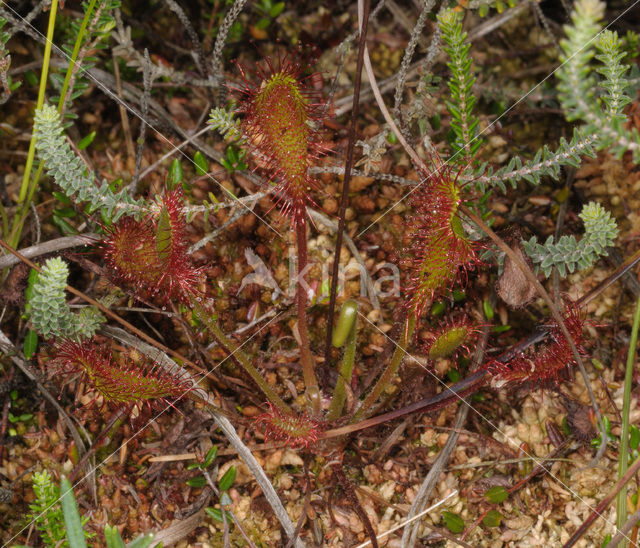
122	380
279	114
47	307
545	366
151	254
71	174
296	431
600	231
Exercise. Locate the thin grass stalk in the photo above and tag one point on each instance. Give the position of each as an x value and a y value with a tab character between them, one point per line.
623	461
351	143
26	197
25	190
74	55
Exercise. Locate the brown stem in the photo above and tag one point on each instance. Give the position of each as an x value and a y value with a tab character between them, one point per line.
347	178
306	360
469	385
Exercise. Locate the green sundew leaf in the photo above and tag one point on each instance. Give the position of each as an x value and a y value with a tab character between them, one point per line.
453	375
488	310
501	328
496	494
226	481
458	295
438	309
346	321
72	521
198	481
634	436
112	537
163	235
30	344
86	141
492	519
202	166
175	174
453	522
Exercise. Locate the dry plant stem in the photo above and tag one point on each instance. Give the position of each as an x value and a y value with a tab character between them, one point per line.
390	371
106	311
603	504
238	356
626	409
49	246
410	534
469	385
611	279
362	46
306	360
333	225
623	531
351	496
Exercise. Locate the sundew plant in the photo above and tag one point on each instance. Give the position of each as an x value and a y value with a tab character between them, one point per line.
279	274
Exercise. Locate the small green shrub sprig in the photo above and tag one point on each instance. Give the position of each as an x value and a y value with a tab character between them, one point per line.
46	510
567	254
597	102
48	311
463	122
71	175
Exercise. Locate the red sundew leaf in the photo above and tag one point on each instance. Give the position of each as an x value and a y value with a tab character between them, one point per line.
545	366
279	113
438	251
151	256
296	431
450	338
121	381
